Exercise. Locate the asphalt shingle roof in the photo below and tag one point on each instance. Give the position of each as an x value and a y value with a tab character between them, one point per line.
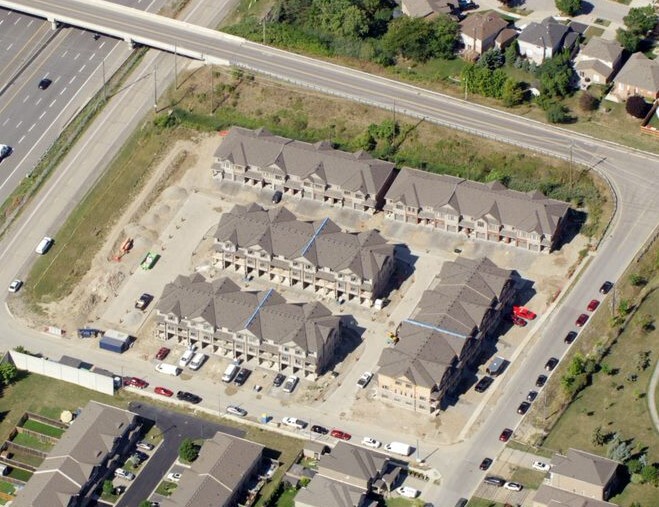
640	72
549	33
584	466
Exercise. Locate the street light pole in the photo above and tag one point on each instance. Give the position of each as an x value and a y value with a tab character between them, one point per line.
155	87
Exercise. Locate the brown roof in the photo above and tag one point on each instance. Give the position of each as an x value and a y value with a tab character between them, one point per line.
324	492
640	72
608	51
483	26
553	497
584	466
352	461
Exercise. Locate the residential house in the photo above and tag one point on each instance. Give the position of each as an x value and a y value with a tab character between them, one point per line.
81	459
583	473
348	476
429	8
479	31
259	159
483	211
257	326
505	38
547	496
539	41
445	334
221	474
317	256
598	61
638	76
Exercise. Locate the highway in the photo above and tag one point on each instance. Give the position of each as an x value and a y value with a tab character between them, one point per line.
633	176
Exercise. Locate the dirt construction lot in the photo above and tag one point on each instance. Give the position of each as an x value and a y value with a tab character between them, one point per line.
179	226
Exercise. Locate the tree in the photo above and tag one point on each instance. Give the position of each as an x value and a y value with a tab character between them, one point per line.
557	113
569	7
638	108
8	373
650	474
511	53
492	59
619	450
634	466
145	503
628	39
556	75
446	35
409	37
108	487
188	451
636	279
642	360
512	93
640	20
587	102
598	438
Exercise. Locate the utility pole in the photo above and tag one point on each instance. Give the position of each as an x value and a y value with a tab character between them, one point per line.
105	91
263	23
394	113
175	69
212	88
155	87
570	175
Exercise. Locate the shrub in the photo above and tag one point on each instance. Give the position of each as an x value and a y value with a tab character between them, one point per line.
188	451
569	7
587	102
637	107
557	113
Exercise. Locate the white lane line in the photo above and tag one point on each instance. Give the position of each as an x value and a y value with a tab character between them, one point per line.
42	114
82	68
30	129
19	124
2	21
16	22
77	56
21	140
9	47
65	53
63	90
38	101
25	99
72	79
30	23
102	44
92	56
5	122
52	103
57	79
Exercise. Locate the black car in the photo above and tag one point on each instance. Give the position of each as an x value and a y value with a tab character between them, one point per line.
279	380
523	407
485	464
570	337
142	456
483	384
531	396
144	301
466	5
321	430
606	287
551	363
242	376
45	83
96	36
189	397
495	481
541	380
276	197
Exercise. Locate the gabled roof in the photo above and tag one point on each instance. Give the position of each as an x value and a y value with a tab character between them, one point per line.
424	8
549	33
595	65
554	497
347	171
584	466
353	461
605	50
322	243
483	26
640	72
324	492
530	212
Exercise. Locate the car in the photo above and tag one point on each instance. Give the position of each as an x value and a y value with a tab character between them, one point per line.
513	486
136	382
570	337
364	379
278	380
16	285
174	476
189	397
505	434
124	474
462	502
143	301
581	320
45	83
606	287
321	430
242	376
341	435
523	312
294	422
540	381
483	384
5	151
274	465
96	36
485	464
135	459
291	383
523	407
407	492
531	396
518	321
592	306
276	197
371	442
235	410
162	353
145	446
142	456
164	391
467	5
495	481
551	363
539	465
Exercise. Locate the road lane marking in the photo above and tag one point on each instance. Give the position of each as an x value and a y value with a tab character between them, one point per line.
77	56
2	21
92	56
102	44
57	79
16	22
19	124
9	47
52	103
30	23
5	122
82	68
38	102
42	114
65	53
25	99
30	129
63	90
21	140
71	80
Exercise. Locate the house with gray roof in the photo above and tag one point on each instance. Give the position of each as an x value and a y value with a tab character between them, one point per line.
313	255
547	496
220	475
80	460
484	211
584	474
261	160
445	334
639	76
258	326
598	61
429	8
348	476
539	41
478	31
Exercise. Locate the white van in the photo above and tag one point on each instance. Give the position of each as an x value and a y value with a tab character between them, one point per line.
186	357
230	372
168	369
399	448
44	245
197	361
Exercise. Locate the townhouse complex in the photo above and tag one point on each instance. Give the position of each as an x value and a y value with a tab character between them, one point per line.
317	256
256	326
445	334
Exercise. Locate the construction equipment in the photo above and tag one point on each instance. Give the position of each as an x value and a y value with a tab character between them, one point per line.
126	247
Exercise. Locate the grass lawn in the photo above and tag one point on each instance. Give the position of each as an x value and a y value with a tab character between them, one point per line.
45	429
483	502
593	31
32	442
531	479
602	22
7	487
166	488
287	498
20	474
403	502
28	459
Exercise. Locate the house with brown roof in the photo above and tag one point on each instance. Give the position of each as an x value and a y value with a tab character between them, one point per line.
547	496
484	211
81	459
428	8
258	326
583	473
313	255
261	160
220	475
639	76
598	61
539	41
479	31
347	475
445	334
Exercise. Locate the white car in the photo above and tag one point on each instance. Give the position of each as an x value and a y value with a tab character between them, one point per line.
145	446
539	465
234	410
293	422
124	474
371	442
174	476
364	379
513	486
408	492
274	465
15	285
